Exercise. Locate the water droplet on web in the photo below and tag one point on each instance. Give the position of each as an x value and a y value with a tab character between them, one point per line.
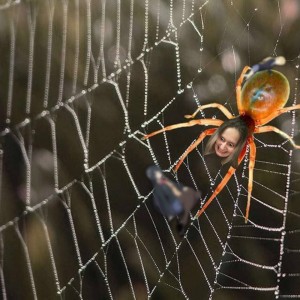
199	70
189	85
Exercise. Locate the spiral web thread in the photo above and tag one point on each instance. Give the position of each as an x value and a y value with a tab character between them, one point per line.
79	89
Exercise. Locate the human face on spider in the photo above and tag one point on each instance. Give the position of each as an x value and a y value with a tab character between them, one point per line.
227	141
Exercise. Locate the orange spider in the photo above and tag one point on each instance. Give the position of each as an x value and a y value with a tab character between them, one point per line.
261	95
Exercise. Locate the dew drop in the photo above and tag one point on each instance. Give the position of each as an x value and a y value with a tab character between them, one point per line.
189	85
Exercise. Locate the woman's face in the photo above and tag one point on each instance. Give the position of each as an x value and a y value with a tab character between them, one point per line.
227	141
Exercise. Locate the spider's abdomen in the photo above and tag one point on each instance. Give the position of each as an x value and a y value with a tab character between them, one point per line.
264	93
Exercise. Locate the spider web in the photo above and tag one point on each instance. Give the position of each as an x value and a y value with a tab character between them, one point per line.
81	83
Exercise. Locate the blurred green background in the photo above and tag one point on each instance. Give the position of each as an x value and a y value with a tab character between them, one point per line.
81	82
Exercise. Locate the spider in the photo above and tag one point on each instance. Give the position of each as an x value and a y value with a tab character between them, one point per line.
261	94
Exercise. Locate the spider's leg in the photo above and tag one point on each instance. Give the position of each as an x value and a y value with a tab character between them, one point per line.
277	113
221	107
214	122
239	89
250	179
221	185
269	128
194	145
217	191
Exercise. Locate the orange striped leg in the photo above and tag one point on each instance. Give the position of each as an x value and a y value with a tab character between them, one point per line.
214	122
194	145
277	113
250	179
239	89
269	128
221	107
221	185
216	192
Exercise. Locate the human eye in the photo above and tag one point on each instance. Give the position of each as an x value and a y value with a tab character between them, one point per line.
231	145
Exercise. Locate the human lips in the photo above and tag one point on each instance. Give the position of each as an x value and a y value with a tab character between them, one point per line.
221	152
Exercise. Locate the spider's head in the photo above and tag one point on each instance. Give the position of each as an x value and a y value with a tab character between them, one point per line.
263	93
241	125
